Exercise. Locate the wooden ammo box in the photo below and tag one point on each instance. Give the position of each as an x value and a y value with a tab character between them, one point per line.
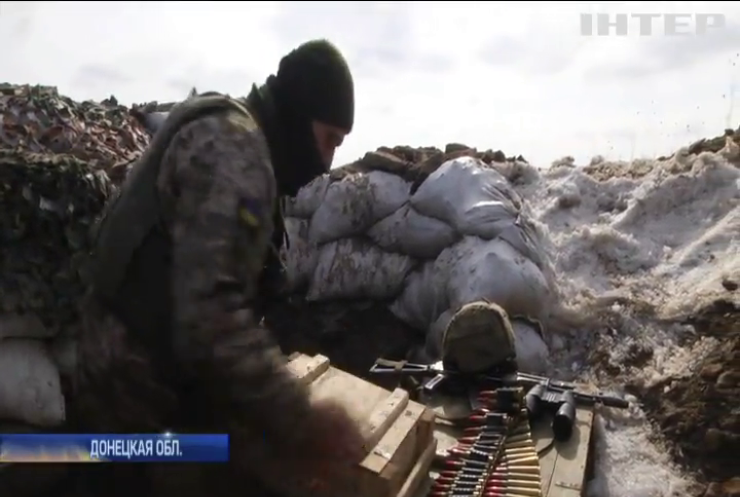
400	431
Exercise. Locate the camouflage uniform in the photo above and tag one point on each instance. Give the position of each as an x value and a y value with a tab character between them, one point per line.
211	367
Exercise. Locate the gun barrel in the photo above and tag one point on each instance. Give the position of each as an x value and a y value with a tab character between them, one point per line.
557	384
607	400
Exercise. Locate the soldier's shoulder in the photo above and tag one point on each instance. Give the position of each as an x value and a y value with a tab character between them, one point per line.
224	132
224	124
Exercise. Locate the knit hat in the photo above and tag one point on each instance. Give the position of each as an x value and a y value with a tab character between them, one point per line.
314	80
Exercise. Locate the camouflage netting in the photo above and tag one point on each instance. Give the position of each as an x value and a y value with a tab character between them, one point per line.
48	204
55	156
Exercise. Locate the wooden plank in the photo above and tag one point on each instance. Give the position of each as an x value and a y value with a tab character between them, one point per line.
569	475
308	369
384	415
358	396
396	450
415	482
542	435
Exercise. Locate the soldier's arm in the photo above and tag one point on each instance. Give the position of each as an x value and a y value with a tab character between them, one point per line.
217	181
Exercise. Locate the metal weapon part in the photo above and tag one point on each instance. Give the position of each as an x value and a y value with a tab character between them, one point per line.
543	393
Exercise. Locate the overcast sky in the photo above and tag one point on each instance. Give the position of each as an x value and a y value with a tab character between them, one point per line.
516	76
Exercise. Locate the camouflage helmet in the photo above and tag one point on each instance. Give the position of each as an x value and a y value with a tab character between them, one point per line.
478	338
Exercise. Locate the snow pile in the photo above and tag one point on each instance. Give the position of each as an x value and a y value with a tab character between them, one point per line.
633	250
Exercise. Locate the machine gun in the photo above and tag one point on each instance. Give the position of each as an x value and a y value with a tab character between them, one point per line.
543	394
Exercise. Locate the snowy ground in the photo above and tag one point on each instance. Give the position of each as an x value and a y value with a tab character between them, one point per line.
632	251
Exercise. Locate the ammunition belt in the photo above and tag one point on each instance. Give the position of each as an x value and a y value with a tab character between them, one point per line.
496	455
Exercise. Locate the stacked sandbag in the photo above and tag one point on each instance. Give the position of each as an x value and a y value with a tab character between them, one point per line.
426	236
54	154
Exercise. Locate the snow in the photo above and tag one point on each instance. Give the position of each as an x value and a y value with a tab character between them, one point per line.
656	244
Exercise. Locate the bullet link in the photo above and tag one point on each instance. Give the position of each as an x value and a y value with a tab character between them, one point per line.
519	447
504	468
508	482
494	436
495	475
487	493
535	492
495	430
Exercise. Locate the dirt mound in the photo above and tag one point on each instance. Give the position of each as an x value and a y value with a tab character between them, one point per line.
604	171
714	144
416	164
701	413
728	145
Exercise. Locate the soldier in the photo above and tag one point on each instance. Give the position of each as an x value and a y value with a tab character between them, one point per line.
170	338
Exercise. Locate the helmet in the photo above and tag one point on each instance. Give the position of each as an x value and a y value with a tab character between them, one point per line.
478	338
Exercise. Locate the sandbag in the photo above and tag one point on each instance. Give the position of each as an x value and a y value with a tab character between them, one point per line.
354	268
469	196
495	271
302	256
308	199
524	237
532	353
408	232
470	270
355	203
30	390
424	295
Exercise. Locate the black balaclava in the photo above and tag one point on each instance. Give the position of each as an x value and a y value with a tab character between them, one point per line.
313	83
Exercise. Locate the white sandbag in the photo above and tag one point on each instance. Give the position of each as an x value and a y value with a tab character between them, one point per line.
308	199
354	268
469	196
29	384
532	353
473	269
523	236
424	295
495	271
408	232
357	202
301	257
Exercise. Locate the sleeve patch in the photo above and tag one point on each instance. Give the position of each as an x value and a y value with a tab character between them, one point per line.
250	213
